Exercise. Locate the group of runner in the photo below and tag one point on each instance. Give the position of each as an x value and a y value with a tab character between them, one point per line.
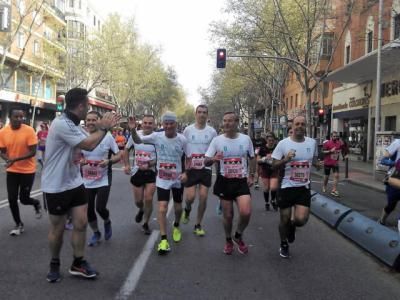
76	177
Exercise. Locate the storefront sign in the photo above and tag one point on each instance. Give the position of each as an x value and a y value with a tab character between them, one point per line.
353	103
340	106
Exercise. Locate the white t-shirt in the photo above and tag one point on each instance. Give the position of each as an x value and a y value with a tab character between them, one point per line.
198	141
297	171
95	176
144	153
393	147
169	158
61	170
235	151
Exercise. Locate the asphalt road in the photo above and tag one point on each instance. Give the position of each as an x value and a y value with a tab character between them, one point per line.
324	265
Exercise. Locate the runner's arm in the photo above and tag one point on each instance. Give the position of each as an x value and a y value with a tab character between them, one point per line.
31	153
3	154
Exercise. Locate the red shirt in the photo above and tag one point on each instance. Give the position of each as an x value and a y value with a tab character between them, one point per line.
331	159
42	136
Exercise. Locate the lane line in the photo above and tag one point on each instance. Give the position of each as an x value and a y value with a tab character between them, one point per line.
32	193
4	203
139	265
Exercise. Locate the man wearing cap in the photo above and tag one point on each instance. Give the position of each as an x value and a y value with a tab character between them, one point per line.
170	147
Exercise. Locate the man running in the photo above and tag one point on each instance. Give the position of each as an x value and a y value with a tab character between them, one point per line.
198	136
269	176
232	150
18	144
332	149
62	181
296	153
97	176
170	147
143	174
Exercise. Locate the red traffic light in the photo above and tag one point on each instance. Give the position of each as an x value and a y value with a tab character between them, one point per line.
321	112
221	58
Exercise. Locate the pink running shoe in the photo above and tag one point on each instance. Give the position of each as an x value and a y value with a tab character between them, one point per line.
228	248
241	246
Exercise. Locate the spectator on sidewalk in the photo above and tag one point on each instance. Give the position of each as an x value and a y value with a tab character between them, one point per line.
332	150
392	192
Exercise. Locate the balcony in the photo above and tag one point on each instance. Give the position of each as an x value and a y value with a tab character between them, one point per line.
53	10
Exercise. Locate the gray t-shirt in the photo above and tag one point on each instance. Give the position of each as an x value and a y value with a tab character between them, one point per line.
393	147
61	168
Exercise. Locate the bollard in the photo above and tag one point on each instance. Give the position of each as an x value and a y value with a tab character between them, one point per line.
377	239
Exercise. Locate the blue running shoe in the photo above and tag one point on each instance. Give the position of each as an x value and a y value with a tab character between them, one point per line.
83	269
54	273
95	239
107	230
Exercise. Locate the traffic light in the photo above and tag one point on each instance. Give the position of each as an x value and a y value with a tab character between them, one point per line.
321	116
60	103
221	58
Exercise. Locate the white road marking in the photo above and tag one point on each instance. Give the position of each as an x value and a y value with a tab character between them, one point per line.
139	265
4	203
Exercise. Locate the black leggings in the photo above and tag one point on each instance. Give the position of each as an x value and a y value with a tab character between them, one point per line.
97	200
18	183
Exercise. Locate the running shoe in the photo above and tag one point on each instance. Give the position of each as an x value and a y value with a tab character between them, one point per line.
139	216
199	231
54	273
68	225
219	208
83	269
176	234
18	230
228	248
267	206
324	189
146	229
335	193
38	210
274	205
95	239
107	231
163	247
185	216
284	250
291	233
241	246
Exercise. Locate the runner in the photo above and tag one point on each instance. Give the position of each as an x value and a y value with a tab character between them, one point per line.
170	147
296	153
120	140
199	136
143	175
97	178
258	142
269	176
42	136
62	182
18	144
332	149
231	150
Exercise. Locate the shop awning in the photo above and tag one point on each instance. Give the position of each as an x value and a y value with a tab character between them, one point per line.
364	68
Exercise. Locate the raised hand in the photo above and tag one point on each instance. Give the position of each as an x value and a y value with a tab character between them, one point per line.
132	123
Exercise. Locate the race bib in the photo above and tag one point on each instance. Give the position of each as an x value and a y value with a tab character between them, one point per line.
167	171
92	170
142	158
197	161
300	171
233	167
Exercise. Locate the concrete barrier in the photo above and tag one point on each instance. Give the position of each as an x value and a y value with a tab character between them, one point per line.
377	239
328	210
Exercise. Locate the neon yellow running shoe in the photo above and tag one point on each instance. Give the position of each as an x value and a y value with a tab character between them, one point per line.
163	247
176	234
185	217
199	231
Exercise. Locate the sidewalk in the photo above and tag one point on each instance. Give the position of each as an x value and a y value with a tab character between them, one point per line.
360	173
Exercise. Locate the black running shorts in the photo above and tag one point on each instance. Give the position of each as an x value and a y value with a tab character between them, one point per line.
327	169
289	197
60	203
230	188
196	177
142	177
163	194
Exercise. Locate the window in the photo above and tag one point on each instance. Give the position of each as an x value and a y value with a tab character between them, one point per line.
76	30
49	92
370	36
326	90
98	24
21	40
36	17
36	47
6	73
397	26
37	86
80	4
390	123
94	20
295	103
21	6
326	44
348	54
71	3
23	82
291	102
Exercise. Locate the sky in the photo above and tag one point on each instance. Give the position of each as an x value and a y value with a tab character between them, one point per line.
181	29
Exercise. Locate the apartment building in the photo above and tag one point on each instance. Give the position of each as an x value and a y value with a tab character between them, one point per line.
354	97
34	61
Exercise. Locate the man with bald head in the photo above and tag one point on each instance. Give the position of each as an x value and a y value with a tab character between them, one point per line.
297	154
